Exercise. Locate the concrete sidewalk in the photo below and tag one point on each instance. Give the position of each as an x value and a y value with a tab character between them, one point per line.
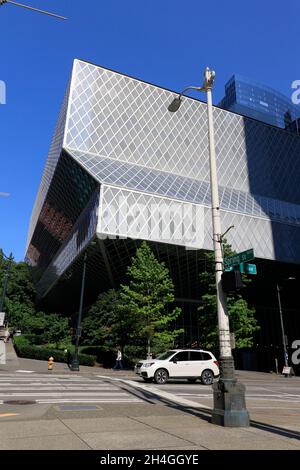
130	427
156	423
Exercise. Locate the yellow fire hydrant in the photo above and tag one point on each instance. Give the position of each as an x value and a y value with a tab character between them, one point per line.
50	363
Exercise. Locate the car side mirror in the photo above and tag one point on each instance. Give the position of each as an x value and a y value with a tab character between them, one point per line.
174	360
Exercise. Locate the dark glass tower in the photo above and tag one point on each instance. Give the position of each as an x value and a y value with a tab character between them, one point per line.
250	98
294	126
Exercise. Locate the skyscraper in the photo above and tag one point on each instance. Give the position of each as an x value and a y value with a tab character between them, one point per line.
250	98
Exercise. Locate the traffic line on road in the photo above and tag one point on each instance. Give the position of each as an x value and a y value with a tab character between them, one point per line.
55	394
92	400
42	376
25	371
50	387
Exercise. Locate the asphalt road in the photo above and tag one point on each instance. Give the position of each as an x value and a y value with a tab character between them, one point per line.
269	393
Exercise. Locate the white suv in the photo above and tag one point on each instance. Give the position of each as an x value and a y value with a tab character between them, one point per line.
190	364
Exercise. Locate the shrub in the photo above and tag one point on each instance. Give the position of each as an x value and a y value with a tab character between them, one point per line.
25	349
34	339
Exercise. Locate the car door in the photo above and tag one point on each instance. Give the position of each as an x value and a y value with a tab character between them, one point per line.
179	365
197	363
209	363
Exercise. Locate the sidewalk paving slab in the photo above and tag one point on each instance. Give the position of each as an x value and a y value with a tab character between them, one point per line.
104	424
123	439
25	429
61	442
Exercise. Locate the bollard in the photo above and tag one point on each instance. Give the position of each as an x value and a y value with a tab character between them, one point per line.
50	363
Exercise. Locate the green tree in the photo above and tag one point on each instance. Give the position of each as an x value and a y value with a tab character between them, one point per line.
241	316
56	329
104	324
147	300
20	287
20	307
19	315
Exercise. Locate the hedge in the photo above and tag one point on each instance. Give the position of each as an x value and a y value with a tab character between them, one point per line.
25	349
33	338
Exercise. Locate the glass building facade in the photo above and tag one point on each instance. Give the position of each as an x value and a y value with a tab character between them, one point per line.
122	169
294	126
251	98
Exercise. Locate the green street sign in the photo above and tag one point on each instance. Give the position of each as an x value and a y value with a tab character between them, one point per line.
239	258
244	268
248	269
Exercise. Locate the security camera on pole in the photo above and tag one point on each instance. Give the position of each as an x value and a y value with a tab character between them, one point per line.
229	395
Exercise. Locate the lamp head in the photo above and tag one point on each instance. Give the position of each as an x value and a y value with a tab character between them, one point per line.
175	105
209	77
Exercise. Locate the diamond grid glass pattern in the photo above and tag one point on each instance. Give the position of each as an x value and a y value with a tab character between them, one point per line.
83	231
119	131
138	215
248	231
128	120
107	170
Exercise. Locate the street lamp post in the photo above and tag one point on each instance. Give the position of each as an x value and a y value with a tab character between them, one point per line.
286	363
285	352
5	279
75	361
229	395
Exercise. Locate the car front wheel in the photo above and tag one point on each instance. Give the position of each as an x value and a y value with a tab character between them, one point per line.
161	376
207	377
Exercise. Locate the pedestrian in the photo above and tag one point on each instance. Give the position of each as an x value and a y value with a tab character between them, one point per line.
7	335
119	364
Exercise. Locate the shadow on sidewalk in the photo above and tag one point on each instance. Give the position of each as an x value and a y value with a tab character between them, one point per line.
275	430
202	413
205	414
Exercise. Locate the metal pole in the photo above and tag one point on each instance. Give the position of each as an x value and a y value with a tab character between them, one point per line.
149	338
282	329
5	280
223	321
75	361
229	396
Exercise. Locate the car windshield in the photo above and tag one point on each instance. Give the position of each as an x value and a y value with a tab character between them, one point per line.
165	355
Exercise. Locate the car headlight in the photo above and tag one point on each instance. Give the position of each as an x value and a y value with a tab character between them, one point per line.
148	364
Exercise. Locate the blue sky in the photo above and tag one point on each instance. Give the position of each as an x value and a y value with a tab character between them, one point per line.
166	42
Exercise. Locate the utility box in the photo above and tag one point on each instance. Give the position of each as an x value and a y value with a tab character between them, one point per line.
2	318
2	353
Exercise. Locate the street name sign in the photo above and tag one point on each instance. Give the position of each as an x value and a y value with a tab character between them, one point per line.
248	268
244	268
239	258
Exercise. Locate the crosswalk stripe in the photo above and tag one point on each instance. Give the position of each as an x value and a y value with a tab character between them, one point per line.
61	387
96	400
45	389
53	394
